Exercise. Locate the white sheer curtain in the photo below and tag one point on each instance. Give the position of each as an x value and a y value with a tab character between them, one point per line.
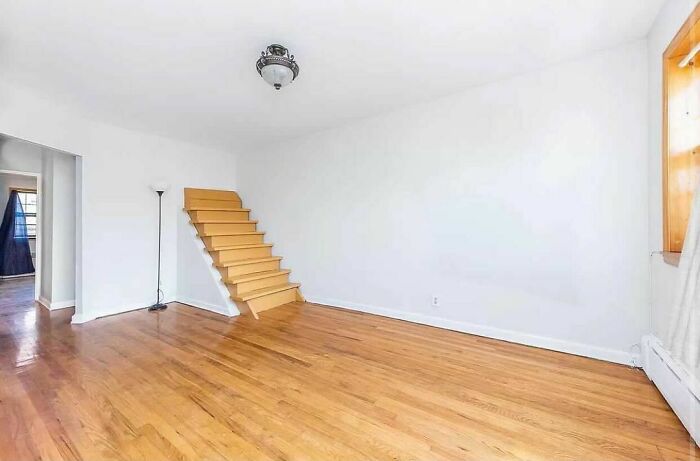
683	334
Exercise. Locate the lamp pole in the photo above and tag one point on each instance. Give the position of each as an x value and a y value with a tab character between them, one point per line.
159	189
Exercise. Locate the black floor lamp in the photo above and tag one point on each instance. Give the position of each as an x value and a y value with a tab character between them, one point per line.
159	188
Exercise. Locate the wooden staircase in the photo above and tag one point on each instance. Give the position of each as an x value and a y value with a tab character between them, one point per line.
248	268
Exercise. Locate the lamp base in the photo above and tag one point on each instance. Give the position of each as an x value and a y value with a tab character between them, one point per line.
158	307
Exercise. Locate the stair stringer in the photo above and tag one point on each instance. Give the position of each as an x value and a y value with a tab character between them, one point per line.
199	281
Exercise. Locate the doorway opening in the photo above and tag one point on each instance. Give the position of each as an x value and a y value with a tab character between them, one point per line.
19	231
38	189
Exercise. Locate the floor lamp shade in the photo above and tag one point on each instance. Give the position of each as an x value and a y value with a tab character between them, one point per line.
160	186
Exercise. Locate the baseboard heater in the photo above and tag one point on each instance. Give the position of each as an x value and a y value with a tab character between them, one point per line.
675	384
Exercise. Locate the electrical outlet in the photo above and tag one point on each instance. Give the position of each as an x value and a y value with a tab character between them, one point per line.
435	301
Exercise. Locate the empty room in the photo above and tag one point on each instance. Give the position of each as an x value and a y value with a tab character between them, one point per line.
350	230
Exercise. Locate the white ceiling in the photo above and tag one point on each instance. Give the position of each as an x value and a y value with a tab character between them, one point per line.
185	69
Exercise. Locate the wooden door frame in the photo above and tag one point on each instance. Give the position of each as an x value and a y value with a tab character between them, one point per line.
670	52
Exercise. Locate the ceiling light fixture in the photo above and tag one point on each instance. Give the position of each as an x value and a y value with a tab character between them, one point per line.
277	67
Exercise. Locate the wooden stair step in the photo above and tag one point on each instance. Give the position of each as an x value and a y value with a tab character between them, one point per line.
213	216
243	262
242	247
217	221
240	233
242	221
265	291
223	209
235	238
231	227
211	194
211	208
208	204
257	276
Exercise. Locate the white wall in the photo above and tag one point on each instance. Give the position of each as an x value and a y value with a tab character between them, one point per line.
664	277
46	282
18	155
664	287
199	282
118	209
519	203
62	223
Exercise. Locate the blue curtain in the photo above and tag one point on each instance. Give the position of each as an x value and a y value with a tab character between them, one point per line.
15	254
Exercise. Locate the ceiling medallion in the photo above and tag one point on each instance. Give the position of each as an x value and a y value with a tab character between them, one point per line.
277	67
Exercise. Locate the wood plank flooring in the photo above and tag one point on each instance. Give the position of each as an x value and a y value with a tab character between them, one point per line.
308	382
16	295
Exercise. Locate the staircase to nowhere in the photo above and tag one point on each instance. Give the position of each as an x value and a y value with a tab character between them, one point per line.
251	273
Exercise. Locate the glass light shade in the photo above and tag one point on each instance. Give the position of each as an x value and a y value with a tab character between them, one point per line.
159	186
277	75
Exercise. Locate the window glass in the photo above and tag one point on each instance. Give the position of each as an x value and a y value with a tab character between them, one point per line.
28	201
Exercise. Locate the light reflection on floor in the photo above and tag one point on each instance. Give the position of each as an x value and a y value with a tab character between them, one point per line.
27	347
22	320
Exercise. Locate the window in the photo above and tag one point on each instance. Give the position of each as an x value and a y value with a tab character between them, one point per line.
28	200
681	130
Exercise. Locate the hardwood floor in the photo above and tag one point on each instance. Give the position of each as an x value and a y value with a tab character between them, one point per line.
311	383
16	295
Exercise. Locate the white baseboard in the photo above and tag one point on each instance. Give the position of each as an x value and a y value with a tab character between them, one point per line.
79	318
207	306
28	274
63	304
679	388
585	350
82	318
44	302
52	306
